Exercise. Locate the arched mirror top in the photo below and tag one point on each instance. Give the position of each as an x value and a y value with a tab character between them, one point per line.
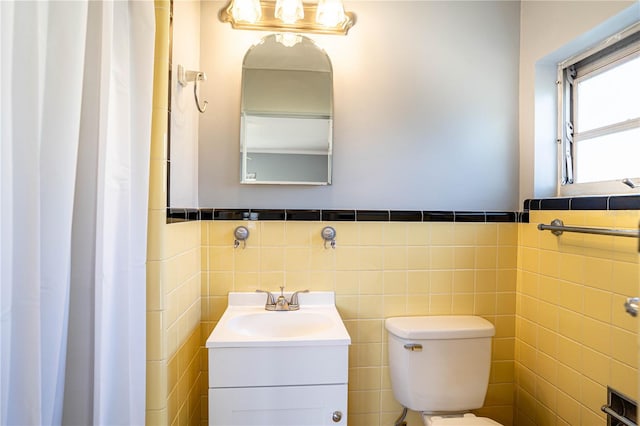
273	53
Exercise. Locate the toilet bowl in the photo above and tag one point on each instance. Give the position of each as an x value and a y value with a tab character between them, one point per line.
430	354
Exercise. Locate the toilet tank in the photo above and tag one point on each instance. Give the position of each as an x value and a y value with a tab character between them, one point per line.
439	363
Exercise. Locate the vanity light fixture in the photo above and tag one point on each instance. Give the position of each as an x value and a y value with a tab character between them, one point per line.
323	17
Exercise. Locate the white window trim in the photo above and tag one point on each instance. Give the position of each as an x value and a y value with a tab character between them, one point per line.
565	136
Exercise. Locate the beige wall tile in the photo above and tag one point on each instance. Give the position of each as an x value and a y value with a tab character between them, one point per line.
487	234
440	304
348	282
380	270
624	378
418	304
418	234
597	304
462	304
442	234
569	380
623	347
371	258
394	234
370	234
272	233
298	234
581	318
156	385
625	278
595	365
395	282
348	259
464	257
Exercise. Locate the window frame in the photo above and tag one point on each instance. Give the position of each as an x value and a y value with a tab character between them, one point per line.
613	51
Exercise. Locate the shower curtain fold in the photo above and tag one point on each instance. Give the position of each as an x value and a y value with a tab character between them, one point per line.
75	107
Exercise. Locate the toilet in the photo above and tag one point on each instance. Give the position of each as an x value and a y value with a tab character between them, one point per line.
439	366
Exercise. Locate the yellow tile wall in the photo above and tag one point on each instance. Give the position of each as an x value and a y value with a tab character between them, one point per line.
173	275
173	327
378	270
573	337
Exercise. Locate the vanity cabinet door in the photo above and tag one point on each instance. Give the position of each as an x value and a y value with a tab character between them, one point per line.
286	405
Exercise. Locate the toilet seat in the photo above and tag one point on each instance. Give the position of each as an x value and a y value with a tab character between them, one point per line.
465	420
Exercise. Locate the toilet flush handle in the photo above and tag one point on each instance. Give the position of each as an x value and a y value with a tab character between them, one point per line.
413	347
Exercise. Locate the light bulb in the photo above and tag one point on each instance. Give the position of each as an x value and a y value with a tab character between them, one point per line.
330	13
289	11
246	11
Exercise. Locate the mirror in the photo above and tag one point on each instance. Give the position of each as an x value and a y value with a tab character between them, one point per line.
286	117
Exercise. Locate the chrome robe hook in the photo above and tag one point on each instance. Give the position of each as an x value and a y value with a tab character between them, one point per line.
328	234
187	76
241	233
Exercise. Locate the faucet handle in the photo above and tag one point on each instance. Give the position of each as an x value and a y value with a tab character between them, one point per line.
294	298
271	300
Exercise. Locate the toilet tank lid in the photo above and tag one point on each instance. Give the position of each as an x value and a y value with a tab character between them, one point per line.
440	327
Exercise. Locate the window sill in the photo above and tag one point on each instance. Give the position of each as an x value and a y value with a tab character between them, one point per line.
615	187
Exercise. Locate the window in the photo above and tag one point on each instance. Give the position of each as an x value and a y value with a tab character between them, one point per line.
599	116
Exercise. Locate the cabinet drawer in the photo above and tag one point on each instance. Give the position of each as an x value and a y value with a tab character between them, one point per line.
287	405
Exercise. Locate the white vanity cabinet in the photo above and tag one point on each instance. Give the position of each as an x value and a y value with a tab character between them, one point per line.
287	405
284	374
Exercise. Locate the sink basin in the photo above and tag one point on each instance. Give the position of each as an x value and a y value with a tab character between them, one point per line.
245	323
280	324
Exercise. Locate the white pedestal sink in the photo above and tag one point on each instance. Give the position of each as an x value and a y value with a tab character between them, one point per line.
278	367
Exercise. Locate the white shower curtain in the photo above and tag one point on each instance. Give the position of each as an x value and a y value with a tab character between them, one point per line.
75	107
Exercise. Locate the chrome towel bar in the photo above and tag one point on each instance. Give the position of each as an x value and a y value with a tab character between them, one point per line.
557	227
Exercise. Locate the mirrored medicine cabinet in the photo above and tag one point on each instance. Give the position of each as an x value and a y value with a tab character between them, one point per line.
286	117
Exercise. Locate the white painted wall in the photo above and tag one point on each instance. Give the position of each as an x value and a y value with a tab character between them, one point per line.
426	98
423	119
184	114
550	32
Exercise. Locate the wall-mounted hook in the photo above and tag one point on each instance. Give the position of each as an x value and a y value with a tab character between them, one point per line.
241	233
328	234
187	76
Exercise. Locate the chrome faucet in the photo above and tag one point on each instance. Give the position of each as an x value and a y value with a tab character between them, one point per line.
282	304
